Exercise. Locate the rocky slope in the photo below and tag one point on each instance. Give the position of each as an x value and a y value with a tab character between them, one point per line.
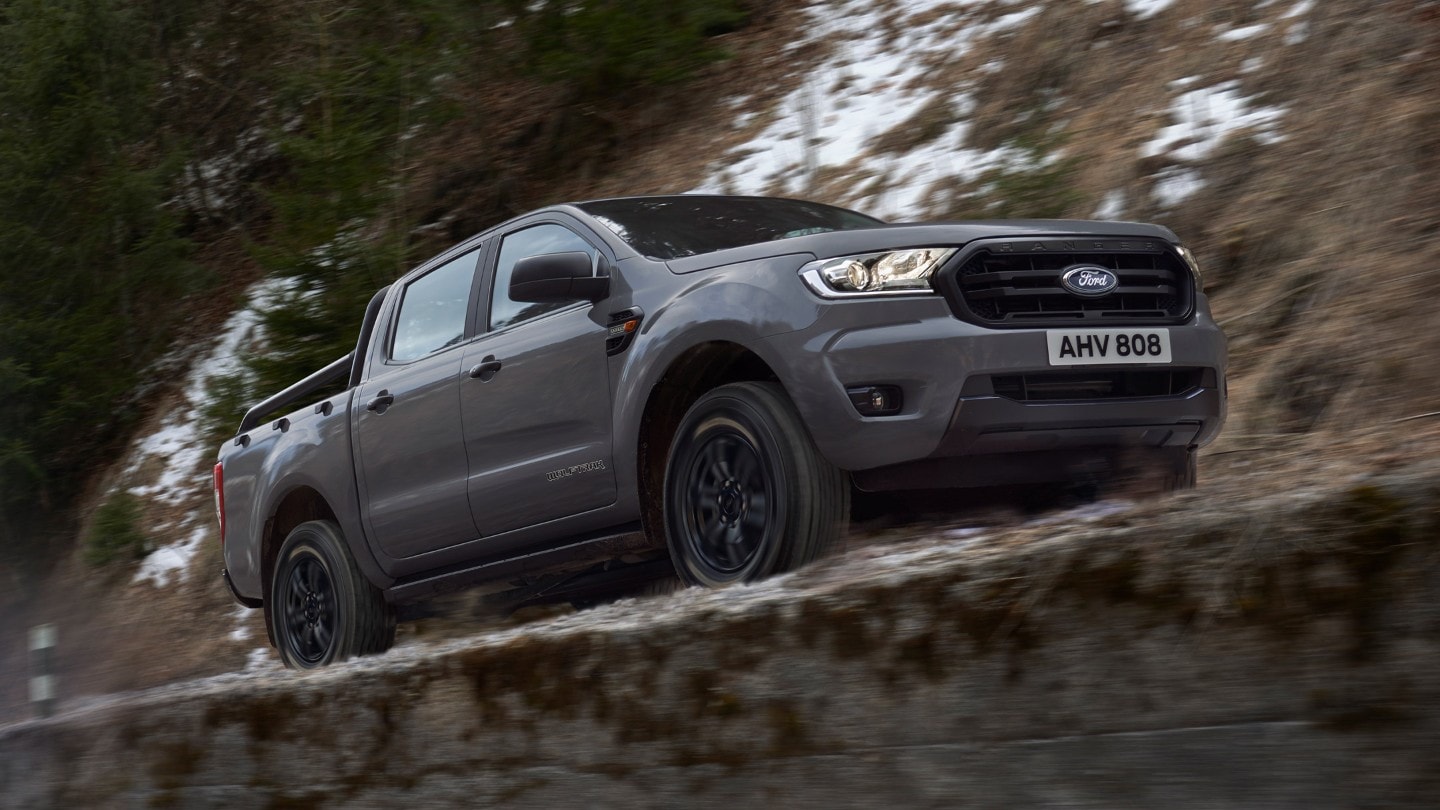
1275	653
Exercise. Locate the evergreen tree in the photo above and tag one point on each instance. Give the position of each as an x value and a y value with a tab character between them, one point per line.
90	260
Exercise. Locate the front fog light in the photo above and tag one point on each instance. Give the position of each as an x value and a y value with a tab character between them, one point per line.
876	400
899	271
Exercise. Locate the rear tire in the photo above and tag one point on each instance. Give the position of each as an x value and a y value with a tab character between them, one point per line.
322	609
747	495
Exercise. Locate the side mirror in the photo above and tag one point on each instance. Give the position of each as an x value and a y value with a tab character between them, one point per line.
557	278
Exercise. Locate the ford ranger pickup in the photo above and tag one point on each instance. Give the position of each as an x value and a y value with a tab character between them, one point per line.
600	393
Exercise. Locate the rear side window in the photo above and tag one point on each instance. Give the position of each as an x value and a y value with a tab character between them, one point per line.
432	310
533	241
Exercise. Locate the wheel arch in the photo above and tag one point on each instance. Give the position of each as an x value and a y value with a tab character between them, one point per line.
300	504
690	374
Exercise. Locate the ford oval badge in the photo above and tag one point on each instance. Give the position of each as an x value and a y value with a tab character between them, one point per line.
1089	280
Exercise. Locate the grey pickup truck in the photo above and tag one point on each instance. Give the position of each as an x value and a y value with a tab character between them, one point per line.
595	395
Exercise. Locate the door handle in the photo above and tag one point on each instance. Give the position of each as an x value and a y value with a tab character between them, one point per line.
381	402
486	369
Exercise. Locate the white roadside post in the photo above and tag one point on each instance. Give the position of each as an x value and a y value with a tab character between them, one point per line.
42	663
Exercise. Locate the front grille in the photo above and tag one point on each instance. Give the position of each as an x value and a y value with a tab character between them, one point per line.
1023	289
1049	386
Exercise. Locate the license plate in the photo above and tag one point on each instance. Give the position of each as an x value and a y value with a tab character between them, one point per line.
1093	347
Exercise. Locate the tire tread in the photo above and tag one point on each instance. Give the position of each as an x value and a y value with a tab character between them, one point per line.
371	629
818	511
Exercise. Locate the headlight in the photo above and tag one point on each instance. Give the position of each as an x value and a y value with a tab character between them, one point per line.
896	271
1194	265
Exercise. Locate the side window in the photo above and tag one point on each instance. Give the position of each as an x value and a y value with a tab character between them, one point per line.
432	310
534	241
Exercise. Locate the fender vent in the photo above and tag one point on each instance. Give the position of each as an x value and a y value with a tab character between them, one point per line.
621	330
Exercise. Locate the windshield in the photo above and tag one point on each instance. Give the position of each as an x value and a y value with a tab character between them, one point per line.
673	227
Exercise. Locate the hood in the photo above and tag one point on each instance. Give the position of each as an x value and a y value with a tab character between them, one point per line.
897	237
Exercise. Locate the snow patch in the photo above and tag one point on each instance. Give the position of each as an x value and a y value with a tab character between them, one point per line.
260	658
1299	30
1242	33
1176	185
864	88
1112	205
1012	20
241	615
1205	116
177	443
1300	9
173	560
1145	9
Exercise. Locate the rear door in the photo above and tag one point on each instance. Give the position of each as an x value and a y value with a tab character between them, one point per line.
410	455
536	398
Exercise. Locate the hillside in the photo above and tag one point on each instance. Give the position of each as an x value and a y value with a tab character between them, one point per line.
1293	145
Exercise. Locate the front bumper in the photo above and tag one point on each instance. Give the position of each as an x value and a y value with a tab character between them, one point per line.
943	366
994	424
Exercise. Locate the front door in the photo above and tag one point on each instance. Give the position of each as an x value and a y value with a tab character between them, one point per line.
535	400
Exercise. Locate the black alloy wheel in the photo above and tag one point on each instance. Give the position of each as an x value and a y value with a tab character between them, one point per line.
321	607
747	494
730	502
310	611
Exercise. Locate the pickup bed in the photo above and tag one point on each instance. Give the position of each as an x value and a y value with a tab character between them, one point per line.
598	394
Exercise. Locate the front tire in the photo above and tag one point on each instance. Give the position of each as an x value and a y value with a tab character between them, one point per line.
747	494
322	608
